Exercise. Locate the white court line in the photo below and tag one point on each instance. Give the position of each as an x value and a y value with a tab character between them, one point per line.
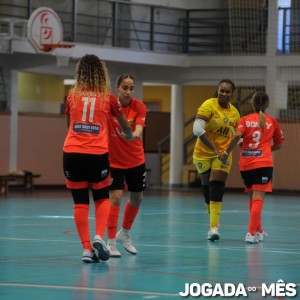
219	247
74	288
144	213
38	240
191	212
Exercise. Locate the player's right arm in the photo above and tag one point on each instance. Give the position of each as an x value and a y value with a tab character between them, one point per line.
278	136
125	127
116	111
199	131
236	139
233	142
67	112
68	120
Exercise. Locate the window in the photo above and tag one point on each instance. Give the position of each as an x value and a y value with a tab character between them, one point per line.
284	23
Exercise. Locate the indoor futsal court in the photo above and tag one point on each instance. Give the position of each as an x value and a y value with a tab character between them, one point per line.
41	253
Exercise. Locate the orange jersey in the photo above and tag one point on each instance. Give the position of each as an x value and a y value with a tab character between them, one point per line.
127	154
256	147
88	129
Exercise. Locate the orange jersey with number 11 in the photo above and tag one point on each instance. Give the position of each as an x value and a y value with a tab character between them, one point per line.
88	130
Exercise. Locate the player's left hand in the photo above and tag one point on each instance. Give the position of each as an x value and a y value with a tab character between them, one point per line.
223	158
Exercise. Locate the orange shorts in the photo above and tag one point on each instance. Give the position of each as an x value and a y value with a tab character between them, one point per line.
85	184
267	188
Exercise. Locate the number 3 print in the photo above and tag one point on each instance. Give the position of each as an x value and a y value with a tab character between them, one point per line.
256	137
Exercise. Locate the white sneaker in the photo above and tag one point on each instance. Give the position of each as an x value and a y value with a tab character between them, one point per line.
100	248
127	242
89	256
251	239
112	248
213	234
260	235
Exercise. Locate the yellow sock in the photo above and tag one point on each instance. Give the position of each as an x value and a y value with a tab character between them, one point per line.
215	212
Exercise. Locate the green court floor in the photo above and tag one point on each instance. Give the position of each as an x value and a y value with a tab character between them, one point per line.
41	254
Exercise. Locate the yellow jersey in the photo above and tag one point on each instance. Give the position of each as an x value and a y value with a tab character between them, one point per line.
220	127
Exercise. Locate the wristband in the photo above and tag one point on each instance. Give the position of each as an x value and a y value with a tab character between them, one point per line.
225	152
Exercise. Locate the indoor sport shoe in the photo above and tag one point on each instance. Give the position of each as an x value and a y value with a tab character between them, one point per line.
100	248
127	242
260	235
251	239
112	248
213	234
89	257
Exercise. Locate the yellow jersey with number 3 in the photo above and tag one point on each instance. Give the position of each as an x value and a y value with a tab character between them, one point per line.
220	127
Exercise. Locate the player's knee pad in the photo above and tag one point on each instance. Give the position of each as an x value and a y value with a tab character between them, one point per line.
101	193
216	190
81	196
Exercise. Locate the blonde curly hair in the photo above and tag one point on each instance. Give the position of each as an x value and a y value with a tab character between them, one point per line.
92	78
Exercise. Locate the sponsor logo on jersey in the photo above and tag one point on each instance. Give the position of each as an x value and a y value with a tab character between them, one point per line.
248	152
86	128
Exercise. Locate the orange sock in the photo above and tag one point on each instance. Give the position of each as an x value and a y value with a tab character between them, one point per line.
101	215
250	205
259	226
255	215
81	217
130	213
112	222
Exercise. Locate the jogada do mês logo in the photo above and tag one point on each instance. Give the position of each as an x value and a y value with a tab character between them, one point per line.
278	289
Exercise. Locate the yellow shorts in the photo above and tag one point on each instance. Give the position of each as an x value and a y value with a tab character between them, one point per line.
213	163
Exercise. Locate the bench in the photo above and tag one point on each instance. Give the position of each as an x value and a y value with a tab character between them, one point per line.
24	180
4	179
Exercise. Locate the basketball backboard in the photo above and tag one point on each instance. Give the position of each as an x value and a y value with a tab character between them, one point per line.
44	29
